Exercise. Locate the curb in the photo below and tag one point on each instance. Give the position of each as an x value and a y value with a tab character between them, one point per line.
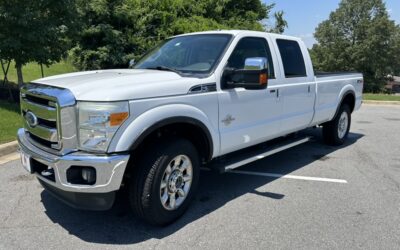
381	102
8	148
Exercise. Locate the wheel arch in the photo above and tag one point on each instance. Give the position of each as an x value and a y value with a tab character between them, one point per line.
187	127
348	96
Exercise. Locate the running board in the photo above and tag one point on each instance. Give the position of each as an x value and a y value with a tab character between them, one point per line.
246	158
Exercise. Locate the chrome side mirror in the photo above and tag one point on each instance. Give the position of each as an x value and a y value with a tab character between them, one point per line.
256	63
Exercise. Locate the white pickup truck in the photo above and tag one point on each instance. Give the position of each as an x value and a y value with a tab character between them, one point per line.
188	102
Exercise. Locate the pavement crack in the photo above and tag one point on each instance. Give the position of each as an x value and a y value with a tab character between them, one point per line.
18	203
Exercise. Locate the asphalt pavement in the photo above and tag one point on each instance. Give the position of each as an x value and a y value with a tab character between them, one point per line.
309	197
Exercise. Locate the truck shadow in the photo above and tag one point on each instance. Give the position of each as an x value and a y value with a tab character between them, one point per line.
118	226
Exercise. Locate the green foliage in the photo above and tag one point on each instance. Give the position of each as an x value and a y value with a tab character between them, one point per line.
10	121
39	30
116	31
381	97
359	36
32	71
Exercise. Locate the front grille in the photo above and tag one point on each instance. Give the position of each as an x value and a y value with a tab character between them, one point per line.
49	117
41	126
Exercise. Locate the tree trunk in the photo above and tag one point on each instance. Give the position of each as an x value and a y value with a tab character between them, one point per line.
19	74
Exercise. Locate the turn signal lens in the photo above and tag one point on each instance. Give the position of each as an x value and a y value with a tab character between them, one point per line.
117	119
263	78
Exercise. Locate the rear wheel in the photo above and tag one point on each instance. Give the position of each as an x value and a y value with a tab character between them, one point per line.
336	131
165	181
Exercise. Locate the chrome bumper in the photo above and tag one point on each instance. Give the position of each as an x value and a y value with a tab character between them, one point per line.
109	169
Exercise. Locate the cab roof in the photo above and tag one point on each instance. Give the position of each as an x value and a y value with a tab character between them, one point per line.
237	32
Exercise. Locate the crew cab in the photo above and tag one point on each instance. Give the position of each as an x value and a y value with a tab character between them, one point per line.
190	101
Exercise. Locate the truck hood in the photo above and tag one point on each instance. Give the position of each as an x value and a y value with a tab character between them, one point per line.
123	84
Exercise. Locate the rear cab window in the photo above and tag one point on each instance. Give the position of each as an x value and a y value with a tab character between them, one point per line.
292	58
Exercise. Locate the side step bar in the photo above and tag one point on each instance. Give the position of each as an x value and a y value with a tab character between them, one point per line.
244	158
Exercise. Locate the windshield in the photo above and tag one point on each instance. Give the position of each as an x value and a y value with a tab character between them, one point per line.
193	54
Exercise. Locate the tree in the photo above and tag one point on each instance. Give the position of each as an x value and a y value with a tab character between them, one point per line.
358	36
37	31
116	31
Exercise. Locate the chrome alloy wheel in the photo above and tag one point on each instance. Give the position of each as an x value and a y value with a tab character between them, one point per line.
343	125
176	182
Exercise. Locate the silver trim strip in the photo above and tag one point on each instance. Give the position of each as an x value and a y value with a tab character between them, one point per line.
265	154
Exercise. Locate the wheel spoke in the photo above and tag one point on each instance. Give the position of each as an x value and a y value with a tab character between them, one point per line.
185	165
163	184
164	198
172	201
168	170
177	161
187	178
181	193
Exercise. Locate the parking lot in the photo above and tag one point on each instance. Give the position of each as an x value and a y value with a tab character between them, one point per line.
310	197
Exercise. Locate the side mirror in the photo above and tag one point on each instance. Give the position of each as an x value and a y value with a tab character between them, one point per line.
131	63
254	74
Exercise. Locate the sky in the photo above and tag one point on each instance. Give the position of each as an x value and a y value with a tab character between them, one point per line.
303	16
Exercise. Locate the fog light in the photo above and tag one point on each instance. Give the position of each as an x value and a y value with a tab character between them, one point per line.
89	175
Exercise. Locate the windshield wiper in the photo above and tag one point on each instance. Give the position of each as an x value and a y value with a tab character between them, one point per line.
164	68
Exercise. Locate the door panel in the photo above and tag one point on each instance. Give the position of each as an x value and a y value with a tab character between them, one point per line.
298	106
253	115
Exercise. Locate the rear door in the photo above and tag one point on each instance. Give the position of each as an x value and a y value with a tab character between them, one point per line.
296	85
248	117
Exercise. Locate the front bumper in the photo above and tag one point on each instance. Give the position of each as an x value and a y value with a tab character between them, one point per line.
98	196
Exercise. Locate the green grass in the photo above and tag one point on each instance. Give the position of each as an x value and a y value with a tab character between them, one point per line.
381	97
10	121
31	71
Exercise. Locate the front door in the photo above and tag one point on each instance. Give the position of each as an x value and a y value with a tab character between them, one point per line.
249	117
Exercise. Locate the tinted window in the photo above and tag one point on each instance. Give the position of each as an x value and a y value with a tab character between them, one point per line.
292	58
251	47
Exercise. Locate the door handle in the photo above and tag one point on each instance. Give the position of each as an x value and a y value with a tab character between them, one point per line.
309	89
274	91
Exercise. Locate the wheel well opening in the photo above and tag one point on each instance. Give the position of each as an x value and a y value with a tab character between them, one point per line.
350	100
189	131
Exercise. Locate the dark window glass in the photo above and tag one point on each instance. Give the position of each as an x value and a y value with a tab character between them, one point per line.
251	47
292	58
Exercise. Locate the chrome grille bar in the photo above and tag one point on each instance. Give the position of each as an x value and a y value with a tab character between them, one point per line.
41	111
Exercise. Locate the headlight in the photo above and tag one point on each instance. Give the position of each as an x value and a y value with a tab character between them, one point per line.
98	122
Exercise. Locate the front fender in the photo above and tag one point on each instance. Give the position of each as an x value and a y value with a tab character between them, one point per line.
135	127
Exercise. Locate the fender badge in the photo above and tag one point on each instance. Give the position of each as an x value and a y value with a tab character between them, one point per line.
228	120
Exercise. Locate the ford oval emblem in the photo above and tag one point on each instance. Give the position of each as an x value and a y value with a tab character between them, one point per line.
31	119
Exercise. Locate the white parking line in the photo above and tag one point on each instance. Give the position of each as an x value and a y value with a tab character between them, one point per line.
287	176
8	158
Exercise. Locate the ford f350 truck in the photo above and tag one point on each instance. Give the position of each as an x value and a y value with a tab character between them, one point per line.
190	101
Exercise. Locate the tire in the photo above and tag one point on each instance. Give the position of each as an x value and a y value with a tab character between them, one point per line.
145	190
331	133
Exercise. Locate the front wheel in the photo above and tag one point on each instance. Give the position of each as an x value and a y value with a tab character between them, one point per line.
165	181
336	131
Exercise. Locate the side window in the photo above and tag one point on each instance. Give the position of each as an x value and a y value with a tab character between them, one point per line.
251	47
292	58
